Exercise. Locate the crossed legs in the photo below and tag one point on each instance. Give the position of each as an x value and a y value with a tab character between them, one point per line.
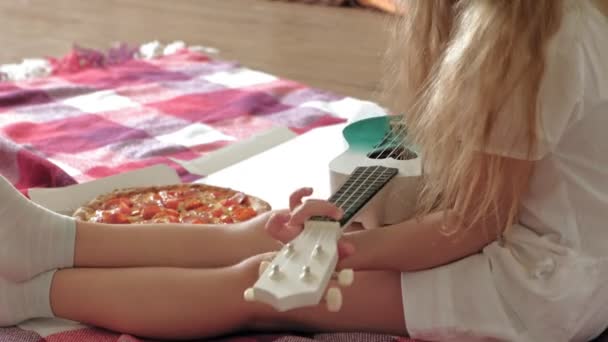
162	281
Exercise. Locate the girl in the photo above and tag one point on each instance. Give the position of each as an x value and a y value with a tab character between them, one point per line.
508	100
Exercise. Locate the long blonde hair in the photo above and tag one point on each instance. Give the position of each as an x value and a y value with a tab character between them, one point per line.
468	70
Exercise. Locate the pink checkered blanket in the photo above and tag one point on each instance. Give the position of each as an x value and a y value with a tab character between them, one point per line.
91	122
96	115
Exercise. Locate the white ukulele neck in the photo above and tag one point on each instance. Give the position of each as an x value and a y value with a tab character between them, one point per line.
363	184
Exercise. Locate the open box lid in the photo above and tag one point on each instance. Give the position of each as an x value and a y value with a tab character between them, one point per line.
274	174
66	200
269	166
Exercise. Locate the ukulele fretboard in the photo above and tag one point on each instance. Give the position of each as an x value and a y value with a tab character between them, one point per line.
361	186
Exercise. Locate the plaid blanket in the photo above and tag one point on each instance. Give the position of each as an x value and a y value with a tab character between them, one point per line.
97	114
83	123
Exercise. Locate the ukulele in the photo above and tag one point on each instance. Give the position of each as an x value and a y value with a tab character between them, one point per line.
376	166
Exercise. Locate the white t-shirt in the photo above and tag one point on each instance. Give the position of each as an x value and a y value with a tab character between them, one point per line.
549	280
555	261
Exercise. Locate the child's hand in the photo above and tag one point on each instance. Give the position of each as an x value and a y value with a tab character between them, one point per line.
287	224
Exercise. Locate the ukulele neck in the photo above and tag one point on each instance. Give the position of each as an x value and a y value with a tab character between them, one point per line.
362	185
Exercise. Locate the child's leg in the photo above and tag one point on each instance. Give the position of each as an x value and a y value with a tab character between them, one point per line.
170	245
167	303
34	240
187	303
373	303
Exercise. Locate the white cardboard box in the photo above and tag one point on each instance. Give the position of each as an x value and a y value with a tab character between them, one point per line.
67	199
237	152
271	175
274	174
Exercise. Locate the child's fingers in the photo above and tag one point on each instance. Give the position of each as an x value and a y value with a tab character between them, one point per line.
295	200
314	208
268	256
345	249
254	263
278	229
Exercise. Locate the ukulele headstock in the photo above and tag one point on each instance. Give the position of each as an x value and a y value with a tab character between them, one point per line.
299	274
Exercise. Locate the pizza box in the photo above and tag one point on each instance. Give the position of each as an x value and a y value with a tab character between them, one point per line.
269	166
237	152
66	200
270	175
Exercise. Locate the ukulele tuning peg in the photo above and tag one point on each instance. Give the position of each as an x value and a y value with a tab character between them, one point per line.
289	249
346	277
333	299
249	295
305	273
317	251
263	266
274	271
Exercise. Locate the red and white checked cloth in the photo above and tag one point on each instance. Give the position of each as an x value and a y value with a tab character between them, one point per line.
97	115
78	126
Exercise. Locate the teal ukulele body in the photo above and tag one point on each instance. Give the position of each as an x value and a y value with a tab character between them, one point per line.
381	141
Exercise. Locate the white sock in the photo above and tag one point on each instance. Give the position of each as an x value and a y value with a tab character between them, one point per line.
33	239
22	301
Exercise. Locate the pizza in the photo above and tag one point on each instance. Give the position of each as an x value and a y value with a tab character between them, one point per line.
179	203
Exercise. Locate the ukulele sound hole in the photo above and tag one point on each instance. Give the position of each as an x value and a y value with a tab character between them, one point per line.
399	153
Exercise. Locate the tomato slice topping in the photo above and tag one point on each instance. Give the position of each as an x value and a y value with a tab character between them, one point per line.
150	211
114	217
172	203
204	208
192	203
117	203
217	213
171	212
123	208
244	213
166	213
227	219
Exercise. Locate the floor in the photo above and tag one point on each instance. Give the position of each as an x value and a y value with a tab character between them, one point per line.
338	49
